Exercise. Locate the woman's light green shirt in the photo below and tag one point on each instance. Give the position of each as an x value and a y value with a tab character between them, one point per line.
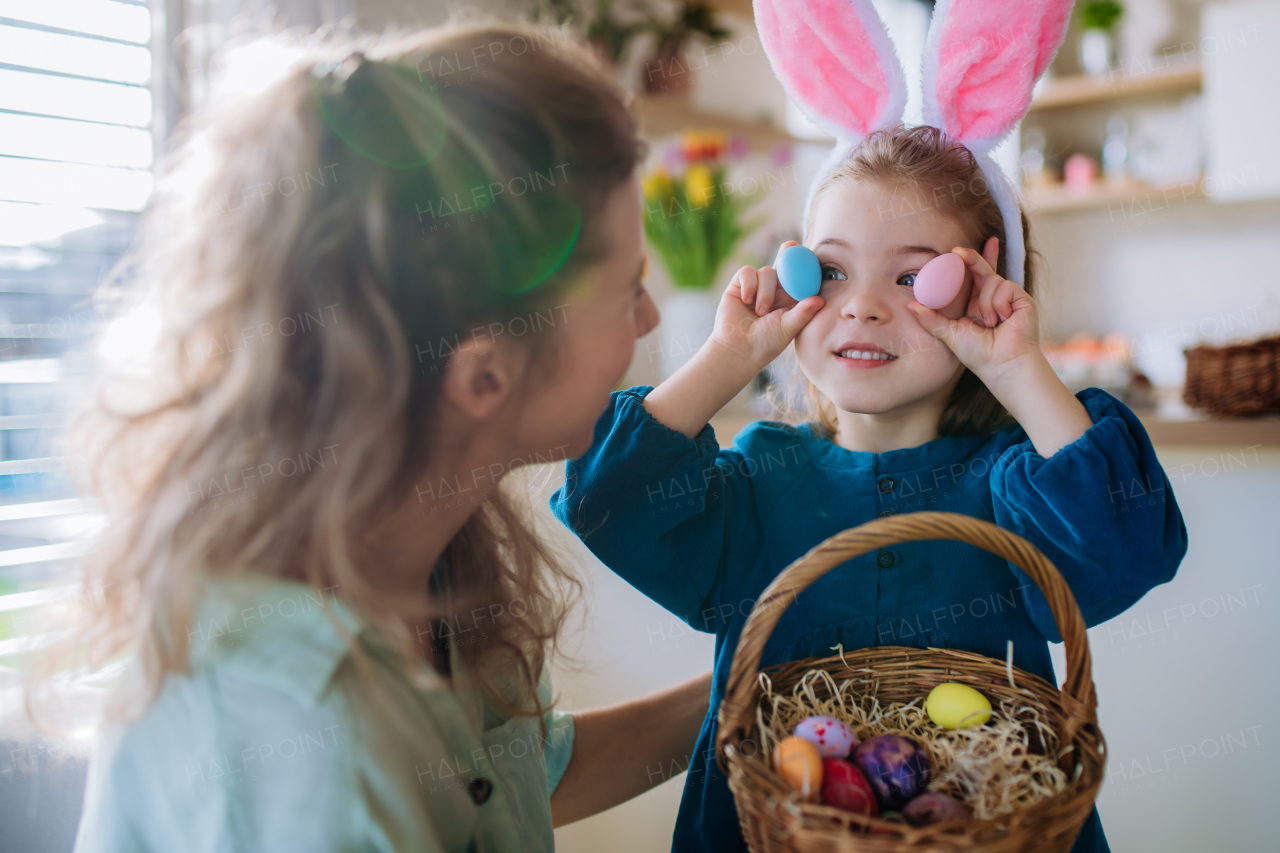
273	742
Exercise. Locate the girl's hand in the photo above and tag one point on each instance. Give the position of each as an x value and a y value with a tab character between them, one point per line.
754	323
1000	328
999	340
757	318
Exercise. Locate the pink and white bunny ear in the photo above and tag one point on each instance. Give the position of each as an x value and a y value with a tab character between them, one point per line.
836	61
981	60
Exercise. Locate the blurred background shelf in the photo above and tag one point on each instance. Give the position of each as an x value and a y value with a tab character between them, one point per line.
1211	431
661	115
742	8
1053	198
1079	89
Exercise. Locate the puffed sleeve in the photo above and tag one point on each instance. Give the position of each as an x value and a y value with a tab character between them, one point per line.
1101	509
559	733
651	504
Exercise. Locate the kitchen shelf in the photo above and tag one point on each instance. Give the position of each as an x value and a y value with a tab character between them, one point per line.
1261	432
661	115
1133	197
1082	89
742	8
1211	431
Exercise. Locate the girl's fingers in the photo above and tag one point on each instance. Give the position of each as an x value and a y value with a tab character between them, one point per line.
1003	298
985	308
935	323
976	263
792	321
986	284
780	248
767	290
991	252
747	282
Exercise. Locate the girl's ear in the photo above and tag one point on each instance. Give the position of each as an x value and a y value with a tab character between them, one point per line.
981	60
835	59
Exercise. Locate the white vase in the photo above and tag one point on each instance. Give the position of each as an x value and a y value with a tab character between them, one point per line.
1097	49
688	317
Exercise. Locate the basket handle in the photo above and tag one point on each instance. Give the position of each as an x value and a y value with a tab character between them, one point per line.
737	711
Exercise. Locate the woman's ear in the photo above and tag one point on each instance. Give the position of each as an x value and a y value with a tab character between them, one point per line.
480	376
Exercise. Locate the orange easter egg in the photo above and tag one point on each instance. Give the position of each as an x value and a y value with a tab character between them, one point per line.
798	761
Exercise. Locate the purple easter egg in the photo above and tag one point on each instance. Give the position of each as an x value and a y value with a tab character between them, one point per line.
898	769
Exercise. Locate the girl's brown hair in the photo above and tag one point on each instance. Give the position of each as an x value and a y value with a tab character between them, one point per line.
945	173
362	216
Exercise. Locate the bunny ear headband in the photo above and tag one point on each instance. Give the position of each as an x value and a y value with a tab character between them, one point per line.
981	60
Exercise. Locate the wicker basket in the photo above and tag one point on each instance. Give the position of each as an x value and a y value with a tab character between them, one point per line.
1242	379
772	815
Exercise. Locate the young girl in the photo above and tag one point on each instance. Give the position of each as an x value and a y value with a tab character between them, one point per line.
954	410
380	286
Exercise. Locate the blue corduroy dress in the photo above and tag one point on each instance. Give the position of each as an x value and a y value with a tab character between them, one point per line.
703	530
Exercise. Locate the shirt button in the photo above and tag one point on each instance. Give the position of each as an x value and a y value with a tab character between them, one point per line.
885	485
885	513
480	789
885	559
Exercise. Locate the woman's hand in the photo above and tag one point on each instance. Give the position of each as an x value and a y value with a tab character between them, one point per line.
754	323
998	338
1000	327
757	318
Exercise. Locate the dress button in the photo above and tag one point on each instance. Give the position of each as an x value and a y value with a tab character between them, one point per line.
885	513
885	559
885	485
480	789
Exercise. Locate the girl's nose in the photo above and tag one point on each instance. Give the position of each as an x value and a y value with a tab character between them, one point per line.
865	302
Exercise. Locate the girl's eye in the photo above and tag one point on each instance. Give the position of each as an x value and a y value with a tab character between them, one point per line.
909	279
832	274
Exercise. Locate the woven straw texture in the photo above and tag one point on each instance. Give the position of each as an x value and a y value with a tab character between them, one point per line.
1243	379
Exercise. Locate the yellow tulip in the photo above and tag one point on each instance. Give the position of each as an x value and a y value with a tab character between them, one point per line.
699	185
657	185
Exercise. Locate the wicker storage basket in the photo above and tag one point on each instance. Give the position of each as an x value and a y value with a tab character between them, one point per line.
1242	379
773	817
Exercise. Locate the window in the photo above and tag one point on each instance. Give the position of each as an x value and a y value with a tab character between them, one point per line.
75	171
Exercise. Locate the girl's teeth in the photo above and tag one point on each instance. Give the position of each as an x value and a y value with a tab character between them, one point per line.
866	356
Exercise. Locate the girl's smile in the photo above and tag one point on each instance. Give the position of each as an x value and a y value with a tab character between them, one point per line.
863	356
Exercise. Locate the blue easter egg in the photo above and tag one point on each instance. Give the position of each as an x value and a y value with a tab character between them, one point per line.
799	272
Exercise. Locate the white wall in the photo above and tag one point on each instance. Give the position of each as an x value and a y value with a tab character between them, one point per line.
1186	679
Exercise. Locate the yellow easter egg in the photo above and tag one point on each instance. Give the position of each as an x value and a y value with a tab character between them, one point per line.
954	706
798	761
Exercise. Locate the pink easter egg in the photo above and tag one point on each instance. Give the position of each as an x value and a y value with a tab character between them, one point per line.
833	738
939	281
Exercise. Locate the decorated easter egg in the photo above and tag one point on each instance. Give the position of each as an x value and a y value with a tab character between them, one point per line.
935	807
844	787
939	281
833	738
799	272
897	767
798	761
955	706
